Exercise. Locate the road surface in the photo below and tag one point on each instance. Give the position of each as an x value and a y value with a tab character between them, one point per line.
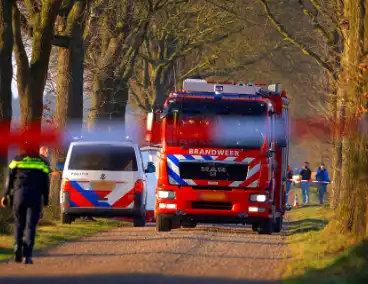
205	255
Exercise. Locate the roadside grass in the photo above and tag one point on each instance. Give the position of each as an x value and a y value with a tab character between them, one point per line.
51	233
319	252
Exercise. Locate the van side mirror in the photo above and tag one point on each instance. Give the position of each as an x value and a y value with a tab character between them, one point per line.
59	166
281	142
150	168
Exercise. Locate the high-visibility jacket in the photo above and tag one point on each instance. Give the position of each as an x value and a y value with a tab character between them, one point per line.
28	181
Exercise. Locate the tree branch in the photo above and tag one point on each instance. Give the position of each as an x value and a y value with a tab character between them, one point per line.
32	8
179	53
316	4
20	53
316	25
292	39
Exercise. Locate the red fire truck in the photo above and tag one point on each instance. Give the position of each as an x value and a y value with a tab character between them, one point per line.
224	155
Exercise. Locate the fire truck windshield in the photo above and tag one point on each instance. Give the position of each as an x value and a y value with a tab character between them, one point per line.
217	123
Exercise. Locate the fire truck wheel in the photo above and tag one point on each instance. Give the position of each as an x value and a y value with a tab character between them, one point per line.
66	219
163	224
254	227
139	222
278	225
189	225
266	227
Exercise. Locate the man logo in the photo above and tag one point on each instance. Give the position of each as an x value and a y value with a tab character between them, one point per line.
213	172
103	176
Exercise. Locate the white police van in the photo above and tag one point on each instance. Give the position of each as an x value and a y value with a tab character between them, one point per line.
104	179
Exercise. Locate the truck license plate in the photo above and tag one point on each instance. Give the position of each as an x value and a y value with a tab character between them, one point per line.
212	196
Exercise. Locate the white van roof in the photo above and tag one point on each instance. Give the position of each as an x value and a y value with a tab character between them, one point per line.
113	143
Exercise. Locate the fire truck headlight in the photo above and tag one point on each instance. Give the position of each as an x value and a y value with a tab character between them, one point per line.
258	197
163	194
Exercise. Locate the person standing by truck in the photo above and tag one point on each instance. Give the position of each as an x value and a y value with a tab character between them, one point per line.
306	175
288	184
323	179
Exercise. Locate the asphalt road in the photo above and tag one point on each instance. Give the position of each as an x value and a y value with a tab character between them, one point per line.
205	255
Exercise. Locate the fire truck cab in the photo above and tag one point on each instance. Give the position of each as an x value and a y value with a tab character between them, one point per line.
224	155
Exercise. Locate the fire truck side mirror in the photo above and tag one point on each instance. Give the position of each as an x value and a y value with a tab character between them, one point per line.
150	120
152	127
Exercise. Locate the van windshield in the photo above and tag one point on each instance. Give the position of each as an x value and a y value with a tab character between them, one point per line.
101	157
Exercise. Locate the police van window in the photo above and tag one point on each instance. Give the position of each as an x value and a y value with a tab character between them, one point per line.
102	158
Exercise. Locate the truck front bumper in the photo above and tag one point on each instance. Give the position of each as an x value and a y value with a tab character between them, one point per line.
229	206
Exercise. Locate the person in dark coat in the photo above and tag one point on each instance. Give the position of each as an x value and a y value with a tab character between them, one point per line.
306	175
288	184
44	154
28	186
323	180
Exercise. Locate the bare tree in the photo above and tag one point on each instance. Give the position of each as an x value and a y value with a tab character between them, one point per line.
116	31
32	74
6	74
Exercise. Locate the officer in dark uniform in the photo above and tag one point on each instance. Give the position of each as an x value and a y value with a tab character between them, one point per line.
28	186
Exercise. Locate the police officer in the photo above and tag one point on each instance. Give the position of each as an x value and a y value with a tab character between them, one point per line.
44	153
28	185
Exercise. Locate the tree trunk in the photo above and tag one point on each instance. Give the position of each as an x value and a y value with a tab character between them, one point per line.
102	97
352	209
337	130
6	75
32	77
118	107
69	89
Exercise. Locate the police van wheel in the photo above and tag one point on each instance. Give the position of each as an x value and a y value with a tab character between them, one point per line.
66	219
163	224
189	225
139	222
278	225
266	227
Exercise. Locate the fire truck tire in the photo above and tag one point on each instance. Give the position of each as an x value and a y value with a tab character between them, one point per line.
266	227
163	224
139	222
278	225
254	227
189	225
66	219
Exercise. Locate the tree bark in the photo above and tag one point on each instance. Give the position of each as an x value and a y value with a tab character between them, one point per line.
353	206
6	75
69	89
32	77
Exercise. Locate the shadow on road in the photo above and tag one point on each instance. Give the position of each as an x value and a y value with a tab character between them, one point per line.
84	255
200	239
305	225
127	279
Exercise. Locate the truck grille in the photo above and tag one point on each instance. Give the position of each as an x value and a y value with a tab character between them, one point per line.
212	205
213	171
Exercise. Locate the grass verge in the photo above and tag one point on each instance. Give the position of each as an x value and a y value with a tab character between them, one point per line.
51	233
319	252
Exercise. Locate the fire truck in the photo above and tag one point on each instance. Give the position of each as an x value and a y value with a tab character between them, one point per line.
224	155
